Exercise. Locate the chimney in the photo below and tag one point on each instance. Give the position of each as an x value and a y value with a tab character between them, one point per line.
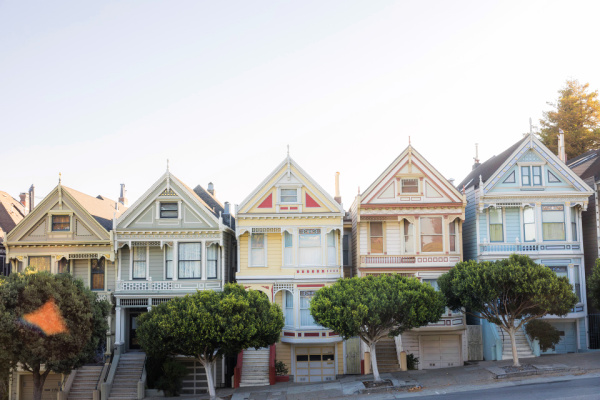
24	199
337	197
561	146
123	196
476	158
451	180
31	197
226	210
211	188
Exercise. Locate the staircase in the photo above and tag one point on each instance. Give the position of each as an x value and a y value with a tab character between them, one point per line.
85	382
387	358
523	348
128	374
255	367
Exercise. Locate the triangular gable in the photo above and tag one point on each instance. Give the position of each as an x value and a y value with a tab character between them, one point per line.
267	202
532	150
411	164
289	173
35	227
142	214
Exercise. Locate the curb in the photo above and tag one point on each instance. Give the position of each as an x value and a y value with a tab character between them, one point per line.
500	373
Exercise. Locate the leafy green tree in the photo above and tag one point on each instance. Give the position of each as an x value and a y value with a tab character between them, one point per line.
30	345
208	325
375	307
577	114
593	284
509	292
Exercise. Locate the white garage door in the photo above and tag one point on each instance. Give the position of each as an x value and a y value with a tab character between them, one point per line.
51	387
440	351
315	364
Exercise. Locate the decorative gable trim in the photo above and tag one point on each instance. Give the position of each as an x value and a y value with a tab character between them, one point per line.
310	202
267	203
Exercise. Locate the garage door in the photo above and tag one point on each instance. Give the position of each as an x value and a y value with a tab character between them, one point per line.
568	338
51	387
440	351
315	364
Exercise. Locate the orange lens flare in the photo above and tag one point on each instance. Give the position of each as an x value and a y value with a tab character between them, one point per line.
47	318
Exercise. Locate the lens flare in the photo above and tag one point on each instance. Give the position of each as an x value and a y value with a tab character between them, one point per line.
47	318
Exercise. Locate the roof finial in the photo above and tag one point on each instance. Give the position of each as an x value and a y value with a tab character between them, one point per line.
409	140
288	150
59	178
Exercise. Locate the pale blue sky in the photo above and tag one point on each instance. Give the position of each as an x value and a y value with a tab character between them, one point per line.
106	91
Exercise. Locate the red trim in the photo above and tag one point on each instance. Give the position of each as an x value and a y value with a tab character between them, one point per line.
289	334
311	334
293	208
315	285
333	334
272	373
268	202
411	205
310	202
237	372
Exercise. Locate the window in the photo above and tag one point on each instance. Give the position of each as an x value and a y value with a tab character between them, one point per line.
510	178
61	223
97	274
288	254
525	176
257	249
310	247
190	260
409	238
305	318
432	239
376	233
452	235
139	263
288	299
40	263
553	221
212	261
331	247
169	210
537	175
346	250
529	224
64	266
433	283
168	262
496	229
574	224
410	186
289	196
577	282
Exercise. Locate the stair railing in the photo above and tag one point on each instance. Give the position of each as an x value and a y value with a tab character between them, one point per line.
141	385
272	371
107	384
96	393
534	344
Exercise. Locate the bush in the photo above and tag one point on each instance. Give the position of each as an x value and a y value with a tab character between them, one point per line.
546	334
411	361
280	368
154	370
172	378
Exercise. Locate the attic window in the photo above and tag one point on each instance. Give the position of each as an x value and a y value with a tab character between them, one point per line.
169	210
61	223
289	196
410	186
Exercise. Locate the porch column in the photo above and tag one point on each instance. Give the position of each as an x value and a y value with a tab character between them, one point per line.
119	323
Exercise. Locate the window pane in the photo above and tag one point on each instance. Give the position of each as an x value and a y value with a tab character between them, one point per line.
288	257
139	262
376	245
495	216
376	229
525	179
289	308
289	195
553	216
212	258
169	210
528	215
139	254
529	224
410	185
310	240
537	175
40	263
430	243
554	231
431	225
496	234
257	252
169	262
529	232
574	223
61	223
432	282
409	242
190	260
98	274
287	237
64	266
258	241
310	256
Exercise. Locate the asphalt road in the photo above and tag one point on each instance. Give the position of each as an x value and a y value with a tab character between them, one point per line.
584	389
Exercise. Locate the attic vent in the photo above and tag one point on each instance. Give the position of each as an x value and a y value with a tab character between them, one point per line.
168	192
266	230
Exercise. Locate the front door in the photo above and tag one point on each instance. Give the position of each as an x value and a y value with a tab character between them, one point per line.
133	342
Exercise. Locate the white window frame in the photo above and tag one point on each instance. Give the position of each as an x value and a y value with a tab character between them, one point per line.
410	179
173	249
289	187
403	237
456	236
329	248
489	219
285	249
250	258
535	230
320	247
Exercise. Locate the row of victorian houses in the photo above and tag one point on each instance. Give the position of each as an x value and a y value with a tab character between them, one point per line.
290	237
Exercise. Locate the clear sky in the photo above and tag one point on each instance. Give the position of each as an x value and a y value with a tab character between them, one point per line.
106	91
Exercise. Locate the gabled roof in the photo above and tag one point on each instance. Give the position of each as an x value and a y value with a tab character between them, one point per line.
211	201
487	169
101	208
11	212
586	165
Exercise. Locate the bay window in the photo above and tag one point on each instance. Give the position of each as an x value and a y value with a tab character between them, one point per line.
376	236
432	239
212	261
574	224
257	249
496	226
97	272
529	224
309	247
577	282
288	247
288	299
452	235
190	260
331	249
553	222
139	262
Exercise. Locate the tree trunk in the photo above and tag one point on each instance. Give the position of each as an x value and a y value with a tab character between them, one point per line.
208	367
38	384
513	342
376	376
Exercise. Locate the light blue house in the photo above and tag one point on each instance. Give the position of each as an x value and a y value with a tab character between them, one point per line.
526	201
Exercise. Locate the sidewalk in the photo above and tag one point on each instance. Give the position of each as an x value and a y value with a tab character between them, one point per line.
434	381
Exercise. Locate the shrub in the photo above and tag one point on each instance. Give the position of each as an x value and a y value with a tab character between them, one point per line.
546	334
172	379
280	368
411	361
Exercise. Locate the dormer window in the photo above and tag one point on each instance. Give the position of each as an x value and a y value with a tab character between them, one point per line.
169	210
410	186
61	223
288	196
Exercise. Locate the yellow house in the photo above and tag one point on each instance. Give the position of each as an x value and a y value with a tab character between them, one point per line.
289	230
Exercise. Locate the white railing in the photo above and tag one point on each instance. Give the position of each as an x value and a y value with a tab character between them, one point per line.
528	248
166	286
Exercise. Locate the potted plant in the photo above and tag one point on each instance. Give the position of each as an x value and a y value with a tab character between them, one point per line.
281	372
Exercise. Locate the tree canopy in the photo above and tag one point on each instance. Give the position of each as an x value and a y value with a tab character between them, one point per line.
50	320
375	307
577	114
593	284
208	324
508	292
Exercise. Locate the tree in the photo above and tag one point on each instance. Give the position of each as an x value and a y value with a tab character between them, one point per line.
208	325
509	292
593	284
547	335
577	114
375	307
48	319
